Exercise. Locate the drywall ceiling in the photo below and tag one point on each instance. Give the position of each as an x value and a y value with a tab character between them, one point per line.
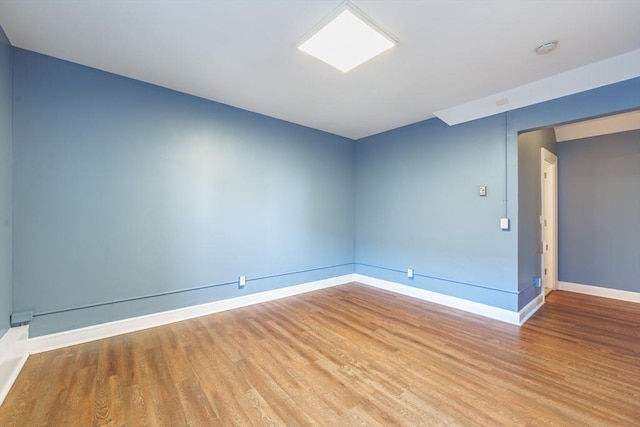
600	126
243	53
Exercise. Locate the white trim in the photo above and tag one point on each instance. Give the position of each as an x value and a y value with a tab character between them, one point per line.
599	291
547	156
531	308
15	346
508	316
13	355
119	327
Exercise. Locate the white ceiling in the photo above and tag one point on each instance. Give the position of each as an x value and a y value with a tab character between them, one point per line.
243	53
600	126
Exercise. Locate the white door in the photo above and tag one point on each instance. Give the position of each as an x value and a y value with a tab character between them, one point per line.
549	220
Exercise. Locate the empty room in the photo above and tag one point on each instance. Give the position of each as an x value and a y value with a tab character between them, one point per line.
319	213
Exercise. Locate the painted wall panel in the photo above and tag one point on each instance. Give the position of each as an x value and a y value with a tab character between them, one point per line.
6	276
124	189
599	211
417	206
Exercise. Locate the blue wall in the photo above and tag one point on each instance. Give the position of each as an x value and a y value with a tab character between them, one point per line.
123	189
417	204
599	211
5	183
146	199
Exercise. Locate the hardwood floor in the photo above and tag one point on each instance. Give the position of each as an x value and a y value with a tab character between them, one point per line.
343	356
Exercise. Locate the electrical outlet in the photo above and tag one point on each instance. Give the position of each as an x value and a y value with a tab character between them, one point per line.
410	273
504	223
537	282
242	280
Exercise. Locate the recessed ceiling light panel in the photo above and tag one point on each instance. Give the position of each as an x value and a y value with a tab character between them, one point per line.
347	40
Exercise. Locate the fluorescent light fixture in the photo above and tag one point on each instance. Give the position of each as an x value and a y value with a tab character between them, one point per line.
347	40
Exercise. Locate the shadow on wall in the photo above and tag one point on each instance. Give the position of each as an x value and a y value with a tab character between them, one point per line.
530	201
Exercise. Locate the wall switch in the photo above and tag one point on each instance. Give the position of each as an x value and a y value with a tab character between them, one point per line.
482	190
410	273
242	280
504	223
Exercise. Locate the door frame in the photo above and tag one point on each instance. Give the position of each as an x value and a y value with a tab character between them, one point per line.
549	195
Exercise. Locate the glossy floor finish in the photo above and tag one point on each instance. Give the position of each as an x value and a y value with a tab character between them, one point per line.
344	356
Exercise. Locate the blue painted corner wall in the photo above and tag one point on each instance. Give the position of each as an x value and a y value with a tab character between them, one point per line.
417	206
6	277
417	202
599	211
129	199
123	190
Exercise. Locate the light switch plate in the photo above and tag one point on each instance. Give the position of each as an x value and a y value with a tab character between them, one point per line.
482	190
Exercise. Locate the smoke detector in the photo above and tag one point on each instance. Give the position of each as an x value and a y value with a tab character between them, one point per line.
547	47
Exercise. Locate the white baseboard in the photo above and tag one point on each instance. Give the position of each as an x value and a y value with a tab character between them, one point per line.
513	317
13	355
599	291
119	327
531	308
15	346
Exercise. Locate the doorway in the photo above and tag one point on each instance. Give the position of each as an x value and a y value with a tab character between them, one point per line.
549	220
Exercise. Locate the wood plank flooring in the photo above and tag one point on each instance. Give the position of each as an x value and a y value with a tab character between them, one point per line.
347	356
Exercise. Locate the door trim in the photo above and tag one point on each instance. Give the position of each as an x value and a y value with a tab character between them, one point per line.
552	221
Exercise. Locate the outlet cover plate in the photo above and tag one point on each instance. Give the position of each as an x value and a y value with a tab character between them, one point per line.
504	223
